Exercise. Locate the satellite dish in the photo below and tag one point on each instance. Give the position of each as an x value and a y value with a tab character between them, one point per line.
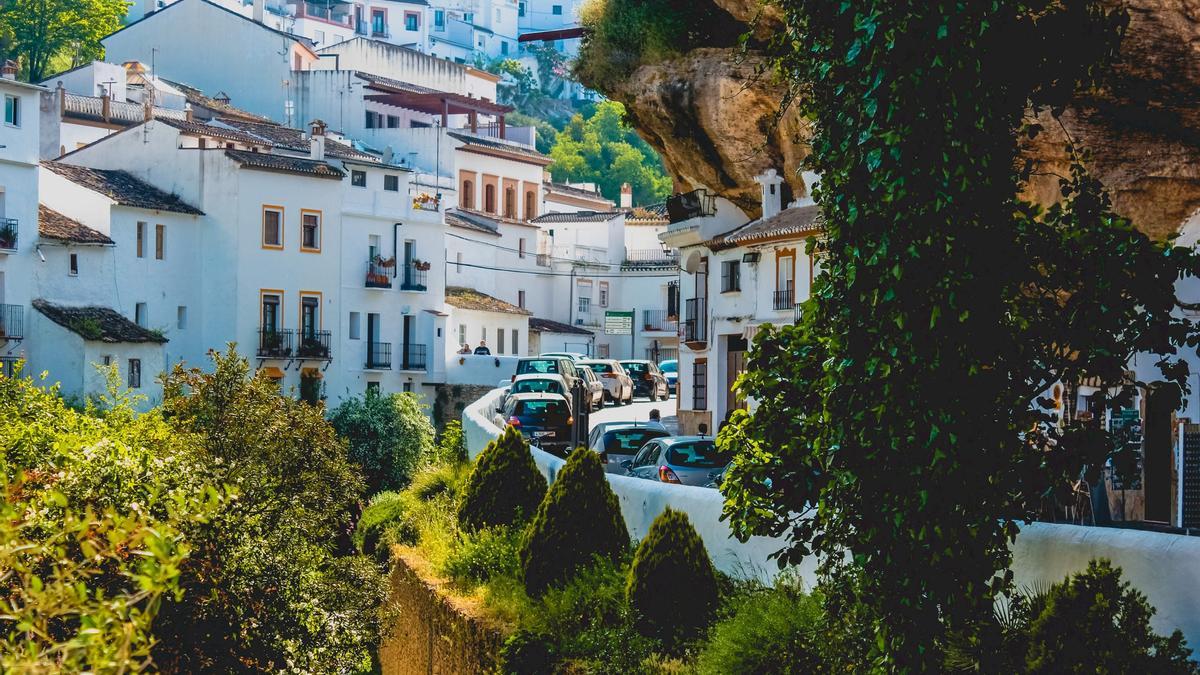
387	154
692	263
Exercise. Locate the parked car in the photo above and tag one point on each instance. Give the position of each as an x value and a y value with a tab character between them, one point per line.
574	356
536	384
618	387
670	370
619	442
648	380
545	420
686	460
557	365
594	386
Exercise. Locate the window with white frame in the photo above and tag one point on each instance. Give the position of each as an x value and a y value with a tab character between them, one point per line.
355	326
12	110
585	304
141	315
181	317
135	374
603	294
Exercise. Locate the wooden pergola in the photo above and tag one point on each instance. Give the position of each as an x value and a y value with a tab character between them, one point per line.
439	102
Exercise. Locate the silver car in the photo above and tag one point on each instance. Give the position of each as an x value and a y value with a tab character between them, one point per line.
618	386
618	442
594	386
685	460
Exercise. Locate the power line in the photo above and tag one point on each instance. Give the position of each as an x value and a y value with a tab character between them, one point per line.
561	274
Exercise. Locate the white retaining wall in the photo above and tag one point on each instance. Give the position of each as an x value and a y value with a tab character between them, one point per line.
1165	567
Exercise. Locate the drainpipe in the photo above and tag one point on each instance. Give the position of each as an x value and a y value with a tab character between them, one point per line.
395	249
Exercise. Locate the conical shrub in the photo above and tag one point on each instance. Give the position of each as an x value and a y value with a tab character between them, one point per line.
672	585
578	520
504	486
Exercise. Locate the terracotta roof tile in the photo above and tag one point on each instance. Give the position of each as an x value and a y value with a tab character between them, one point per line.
498	144
103	324
788	222
122	187
200	128
294	139
548	326
282	163
578	217
469	298
54	225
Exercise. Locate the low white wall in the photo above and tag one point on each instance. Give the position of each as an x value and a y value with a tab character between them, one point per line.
1165	567
479	369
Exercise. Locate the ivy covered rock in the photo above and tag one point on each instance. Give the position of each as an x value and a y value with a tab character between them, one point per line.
672	585
578	521
504	486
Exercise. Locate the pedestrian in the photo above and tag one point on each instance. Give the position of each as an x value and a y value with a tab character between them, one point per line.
656	420
466	349
482	349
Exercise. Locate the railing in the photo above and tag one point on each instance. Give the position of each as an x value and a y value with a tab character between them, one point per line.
308	10
412	357
659	320
276	343
379	356
796	312
414	277
689	205
695	320
12	322
785	298
661	354
8	234
379	273
673	299
314	344
109	110
651	255
362	28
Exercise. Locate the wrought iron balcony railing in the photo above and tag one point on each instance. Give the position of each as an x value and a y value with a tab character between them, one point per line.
380	273
689	205
658	320
413	275
785	298
379	356
12	322
314	344
695	320
276	343
412	357
8	234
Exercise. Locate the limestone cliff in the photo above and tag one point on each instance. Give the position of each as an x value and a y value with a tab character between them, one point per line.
713	118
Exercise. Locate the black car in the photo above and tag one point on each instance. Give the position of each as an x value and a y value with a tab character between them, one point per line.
545	420
648	380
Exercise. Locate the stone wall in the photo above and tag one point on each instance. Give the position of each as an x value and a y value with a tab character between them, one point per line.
449	400
435	632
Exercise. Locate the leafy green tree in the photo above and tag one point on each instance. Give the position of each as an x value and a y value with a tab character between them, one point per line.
388	435
672	584
905	412
44	29
603	149
578	521
504	486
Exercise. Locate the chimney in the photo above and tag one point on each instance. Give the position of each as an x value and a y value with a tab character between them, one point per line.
317	139
626	196
188	113
62	98
260	10
9	70
772	192
105	106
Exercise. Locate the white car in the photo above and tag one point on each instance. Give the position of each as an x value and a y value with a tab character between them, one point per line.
618	386
537	383
574	356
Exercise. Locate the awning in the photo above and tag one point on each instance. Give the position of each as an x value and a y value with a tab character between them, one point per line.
272	372
311	373
556	34
749	331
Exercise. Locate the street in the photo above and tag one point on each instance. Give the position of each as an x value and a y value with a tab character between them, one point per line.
638	411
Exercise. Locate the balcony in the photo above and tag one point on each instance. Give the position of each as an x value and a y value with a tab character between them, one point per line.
415	273
412	357
651	257
688	205
314	344
784	299
659	354
657	320
380	272
379	356
12	323
695	320
8	234
276	343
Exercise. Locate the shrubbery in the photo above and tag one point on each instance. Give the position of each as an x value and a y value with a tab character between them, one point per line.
776	630
578	521
389	434
672	585
504	486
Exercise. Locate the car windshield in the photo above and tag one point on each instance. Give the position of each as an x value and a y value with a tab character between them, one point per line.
668	367
634	367
537	386
546	408
627	441
697	455
537	366
598	367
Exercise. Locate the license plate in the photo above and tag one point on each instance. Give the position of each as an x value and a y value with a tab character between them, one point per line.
543	434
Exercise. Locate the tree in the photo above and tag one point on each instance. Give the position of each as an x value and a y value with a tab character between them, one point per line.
604	150
905	414
388	435
504	486
672	584
44	29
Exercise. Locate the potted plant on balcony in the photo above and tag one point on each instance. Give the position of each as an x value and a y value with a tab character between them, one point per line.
422	265
8	234
426	202
386	263
311	347
272	342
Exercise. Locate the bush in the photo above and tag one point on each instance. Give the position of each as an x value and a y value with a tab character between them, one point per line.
672	585
526	653
483	556
382	524
451	445
768	631
578	521
504	486
425	506
389	434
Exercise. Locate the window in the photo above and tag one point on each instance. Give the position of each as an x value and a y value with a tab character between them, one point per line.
520	9
372	386
603	296
310	230
135	373
407	386
354	326
106	360
468	194
602	351
585	304
181	317
462	333
503	47
514	341
160	241
731	276
439	19
393	121
510	203
391	183
556	10
73	270
358	178
310	315
141	239
469	17
411	21
499	340
270	312
370	121
319	37
521	247
521	299
700	385
530	205
272	232
140	315
12	111
378	22
489	198
458	262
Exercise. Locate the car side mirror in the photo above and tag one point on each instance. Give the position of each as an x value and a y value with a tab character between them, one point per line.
627	464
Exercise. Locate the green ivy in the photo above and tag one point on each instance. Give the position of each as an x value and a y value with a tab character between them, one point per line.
904	420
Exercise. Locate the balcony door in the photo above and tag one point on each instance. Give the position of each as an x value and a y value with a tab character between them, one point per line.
372	338
785	274
270	313
310	321
410	254
407	333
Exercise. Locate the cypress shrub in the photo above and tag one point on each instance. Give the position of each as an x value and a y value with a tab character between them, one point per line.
504	486
672	585
577	521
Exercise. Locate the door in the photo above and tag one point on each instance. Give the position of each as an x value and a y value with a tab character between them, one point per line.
735	364
372	339
407	334
410	254
308	318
